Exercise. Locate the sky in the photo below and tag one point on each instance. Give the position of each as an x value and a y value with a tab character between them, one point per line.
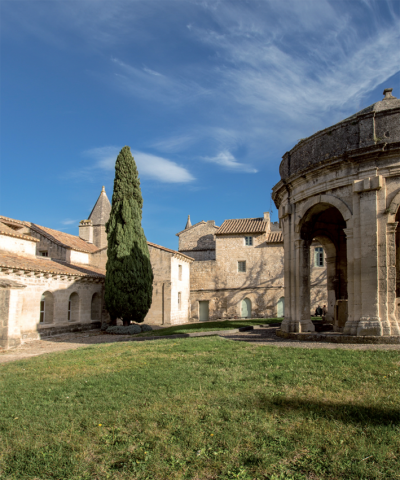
209	95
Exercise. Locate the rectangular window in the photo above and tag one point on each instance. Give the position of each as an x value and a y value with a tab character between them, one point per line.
241	266
248	241
44	254
319	257
180	272
179	300
42	311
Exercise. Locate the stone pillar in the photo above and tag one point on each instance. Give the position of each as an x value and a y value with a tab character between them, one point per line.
370	323
330	280
289	271
350	327
303	317
393	329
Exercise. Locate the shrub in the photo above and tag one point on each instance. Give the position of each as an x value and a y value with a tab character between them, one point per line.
120	330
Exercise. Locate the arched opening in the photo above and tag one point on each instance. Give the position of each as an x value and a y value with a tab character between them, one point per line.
73	307
46	308
96	307
246	308
324	224
281	307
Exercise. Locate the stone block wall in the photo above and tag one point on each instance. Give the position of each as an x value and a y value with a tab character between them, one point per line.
198	241
180	284
27	302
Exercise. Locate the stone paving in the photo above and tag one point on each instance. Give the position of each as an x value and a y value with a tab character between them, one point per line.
258	336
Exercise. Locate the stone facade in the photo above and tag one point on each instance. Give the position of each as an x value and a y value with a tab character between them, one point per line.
341	187
215	277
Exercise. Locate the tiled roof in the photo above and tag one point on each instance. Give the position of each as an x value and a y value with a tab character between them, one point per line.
49	266
154	245
243	225
64	239
194	226
5	230
275	237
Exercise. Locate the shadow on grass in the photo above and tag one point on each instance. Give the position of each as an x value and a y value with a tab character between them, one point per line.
342	412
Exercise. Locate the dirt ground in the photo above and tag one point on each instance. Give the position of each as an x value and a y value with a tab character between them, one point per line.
71	341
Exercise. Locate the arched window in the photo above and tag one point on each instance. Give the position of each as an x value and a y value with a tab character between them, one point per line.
73	307
246	308
96	307
281	307
46	308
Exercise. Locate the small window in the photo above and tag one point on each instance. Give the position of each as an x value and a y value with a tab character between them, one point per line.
319	257
241	266
248	241
45	253
180	272
69	310
179	300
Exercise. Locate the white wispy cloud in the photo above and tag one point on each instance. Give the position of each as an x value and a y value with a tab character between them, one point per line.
68	221
227	160
150	166
175	143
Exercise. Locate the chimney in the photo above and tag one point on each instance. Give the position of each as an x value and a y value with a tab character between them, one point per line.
86	230
266	217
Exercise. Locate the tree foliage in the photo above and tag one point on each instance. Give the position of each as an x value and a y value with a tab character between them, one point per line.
129	276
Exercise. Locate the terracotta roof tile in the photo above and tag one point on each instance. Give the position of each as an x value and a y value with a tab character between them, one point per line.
5	230
154	245
275	237
49	266
64	239
242	225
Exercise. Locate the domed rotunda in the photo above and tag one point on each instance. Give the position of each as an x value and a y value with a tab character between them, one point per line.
341	188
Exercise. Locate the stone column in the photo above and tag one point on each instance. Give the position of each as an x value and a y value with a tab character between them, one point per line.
330	280
370	323
351	325
287	321
391	279
303	320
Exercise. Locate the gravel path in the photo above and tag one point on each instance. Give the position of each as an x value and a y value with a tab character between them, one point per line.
259	336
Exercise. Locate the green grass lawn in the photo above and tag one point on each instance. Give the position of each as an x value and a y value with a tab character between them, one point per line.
201	408
209	326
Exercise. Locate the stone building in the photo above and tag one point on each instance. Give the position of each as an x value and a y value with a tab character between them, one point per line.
52	282
238	269
341	187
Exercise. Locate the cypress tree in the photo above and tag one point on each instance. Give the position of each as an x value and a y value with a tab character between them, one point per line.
129	276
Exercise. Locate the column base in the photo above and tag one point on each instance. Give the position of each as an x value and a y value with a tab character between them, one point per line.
369	326
297	326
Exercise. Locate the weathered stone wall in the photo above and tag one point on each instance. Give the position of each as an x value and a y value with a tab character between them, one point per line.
54	251
17	245
27	300
73	256
198	241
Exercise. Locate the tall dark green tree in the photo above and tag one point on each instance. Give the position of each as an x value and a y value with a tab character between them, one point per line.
129	276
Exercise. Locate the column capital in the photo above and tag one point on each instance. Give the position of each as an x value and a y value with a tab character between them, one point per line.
348	232
391	227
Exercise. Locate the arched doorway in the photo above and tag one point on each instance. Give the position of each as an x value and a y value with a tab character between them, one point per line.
96	307
281	307
46	308
73	307
246	308
324	224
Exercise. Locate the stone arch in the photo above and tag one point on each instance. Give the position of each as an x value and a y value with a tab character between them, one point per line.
46	308
323	199
74	306
393	208
96	307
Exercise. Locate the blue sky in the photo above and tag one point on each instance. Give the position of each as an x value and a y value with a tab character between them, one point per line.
208	94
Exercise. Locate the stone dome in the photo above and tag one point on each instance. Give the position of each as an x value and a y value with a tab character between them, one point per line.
378	124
